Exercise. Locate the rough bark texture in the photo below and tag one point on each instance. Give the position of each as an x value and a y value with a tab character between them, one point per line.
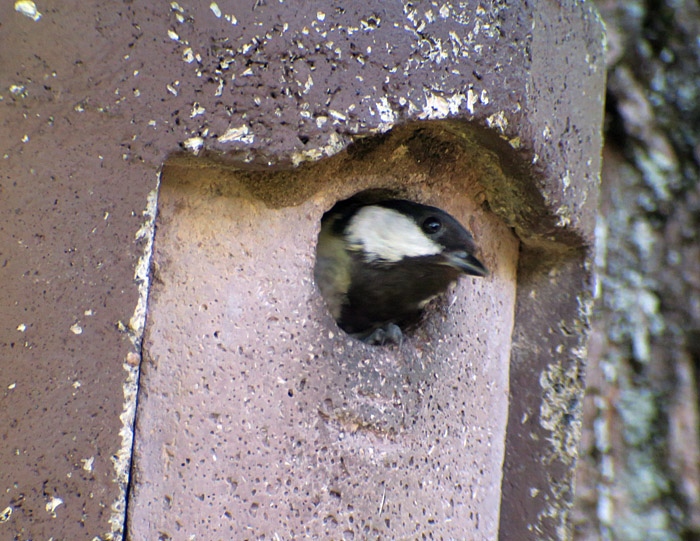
638	477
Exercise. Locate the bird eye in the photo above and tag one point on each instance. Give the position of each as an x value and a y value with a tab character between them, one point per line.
431	225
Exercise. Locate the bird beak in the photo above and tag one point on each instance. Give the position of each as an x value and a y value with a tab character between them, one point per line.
466	263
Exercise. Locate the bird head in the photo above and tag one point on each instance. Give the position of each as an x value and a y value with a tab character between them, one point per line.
392	230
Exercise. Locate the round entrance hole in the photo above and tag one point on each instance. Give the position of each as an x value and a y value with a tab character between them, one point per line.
381	259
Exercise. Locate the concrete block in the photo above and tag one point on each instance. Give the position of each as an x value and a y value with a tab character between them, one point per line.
96	98
261	418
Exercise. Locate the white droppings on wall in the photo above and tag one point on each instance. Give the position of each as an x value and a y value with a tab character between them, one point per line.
52	505
438	107
194	144
28	9
241	133
471	100
497	120
386	113
121	460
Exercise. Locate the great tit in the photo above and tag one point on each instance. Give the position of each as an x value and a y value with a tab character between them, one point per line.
380	261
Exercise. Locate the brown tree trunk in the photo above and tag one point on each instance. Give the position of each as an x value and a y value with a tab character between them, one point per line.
639	469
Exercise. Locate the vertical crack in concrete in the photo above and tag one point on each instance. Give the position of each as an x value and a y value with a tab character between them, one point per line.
122	459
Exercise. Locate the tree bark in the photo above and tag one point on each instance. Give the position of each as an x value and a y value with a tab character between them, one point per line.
639	465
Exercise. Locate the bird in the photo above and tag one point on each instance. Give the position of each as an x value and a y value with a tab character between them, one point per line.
380	260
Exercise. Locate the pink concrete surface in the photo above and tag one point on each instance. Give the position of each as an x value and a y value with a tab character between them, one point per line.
260	419
95	98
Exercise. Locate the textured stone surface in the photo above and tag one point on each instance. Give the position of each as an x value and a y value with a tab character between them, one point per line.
94	97
72	197
260	417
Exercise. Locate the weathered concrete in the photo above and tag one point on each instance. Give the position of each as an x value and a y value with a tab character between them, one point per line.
94	98
261	418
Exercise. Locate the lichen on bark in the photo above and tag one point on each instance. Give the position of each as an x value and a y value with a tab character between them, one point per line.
639	469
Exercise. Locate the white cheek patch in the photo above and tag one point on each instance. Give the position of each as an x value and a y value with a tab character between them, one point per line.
387	235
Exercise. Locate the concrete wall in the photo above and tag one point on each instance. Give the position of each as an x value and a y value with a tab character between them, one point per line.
95	98
259	416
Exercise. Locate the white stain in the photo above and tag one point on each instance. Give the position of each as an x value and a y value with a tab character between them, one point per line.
52	505
471	100
28	8
563	217
88	463
566	179
386	114
197	109
438	107
121	460
188	55
337	115
194	144
332	147
141	274
241	133
309	83
497	120
76	329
